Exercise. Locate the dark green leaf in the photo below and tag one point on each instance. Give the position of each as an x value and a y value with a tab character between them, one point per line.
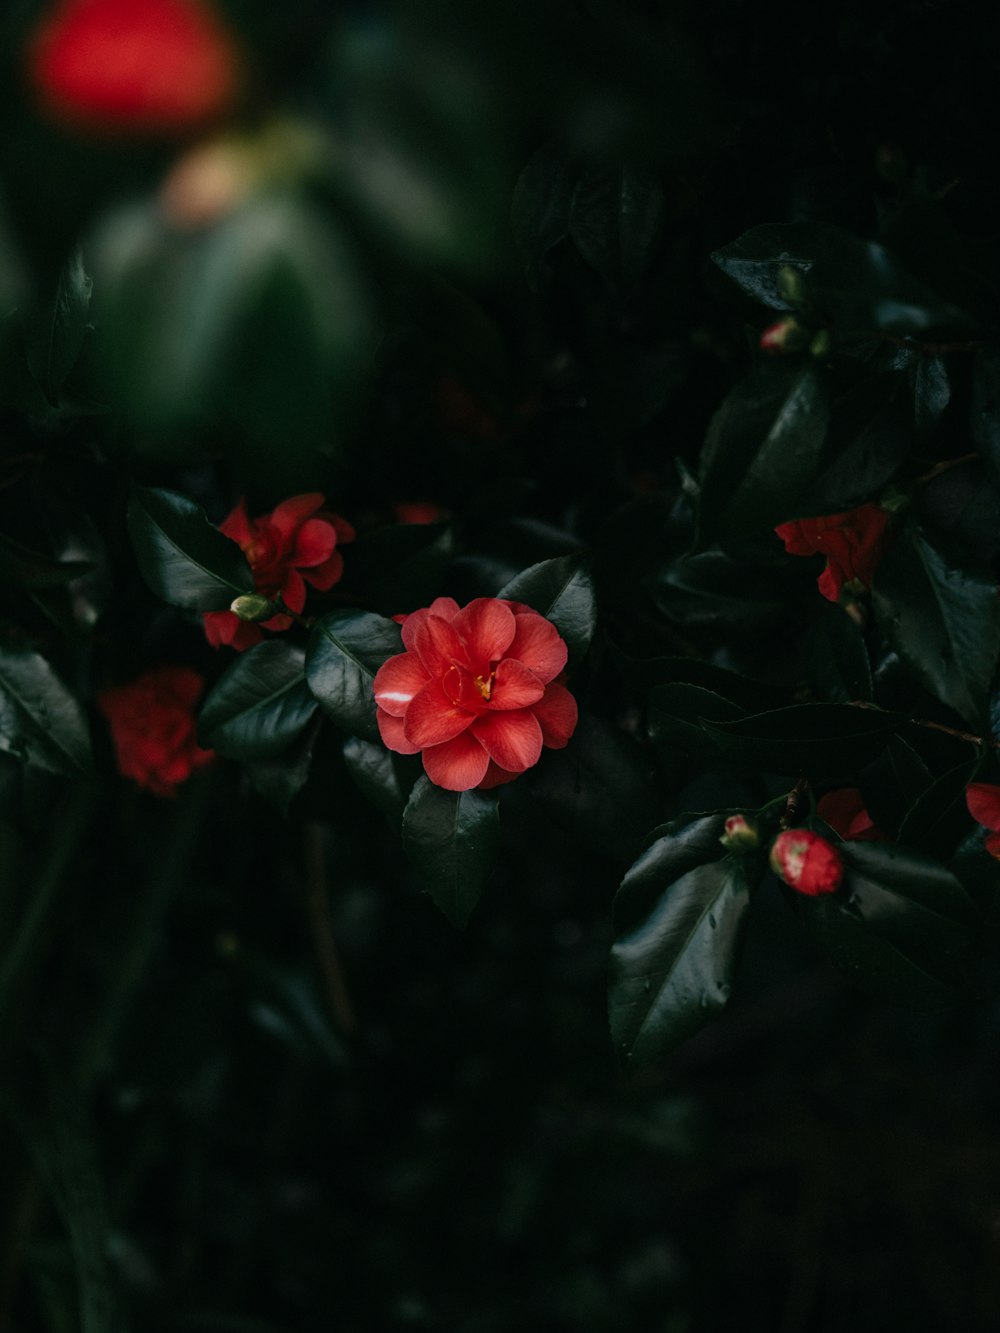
379	774
938	817
676	711
762	451
32	569
345	650
931	392
757	257
260	705
985	407
715	593
183	558
752	696
678	919
870	435
54	331
892	783
281	778
837	659
942	620
562	590
615	220
451	838
823	742
40	721
541	205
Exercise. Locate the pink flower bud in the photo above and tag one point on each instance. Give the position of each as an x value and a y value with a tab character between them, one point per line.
787	335
740	834
806	862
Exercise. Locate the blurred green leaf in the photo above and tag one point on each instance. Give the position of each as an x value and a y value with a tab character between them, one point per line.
33	569
345	650
451	838
54	330
615	220
40	720
540	210
260	705
183	558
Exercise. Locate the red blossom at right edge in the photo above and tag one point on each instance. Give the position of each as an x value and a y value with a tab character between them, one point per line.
983	800
853	543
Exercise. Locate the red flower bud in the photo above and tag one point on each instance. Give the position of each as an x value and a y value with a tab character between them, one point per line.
740	834
983	800
156	67
806	862
787	335
853	543
153	727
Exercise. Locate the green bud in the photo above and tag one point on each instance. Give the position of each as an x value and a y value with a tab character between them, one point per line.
821	345
791	286
253	607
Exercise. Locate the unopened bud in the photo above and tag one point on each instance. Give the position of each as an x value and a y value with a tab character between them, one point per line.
740	834
806	862
791	285
787	335
821	345
253	606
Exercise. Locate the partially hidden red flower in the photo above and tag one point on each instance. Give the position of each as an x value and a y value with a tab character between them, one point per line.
853	543
983	800
478	691
152	727
806	862
138	67
294	545
418	512
844	810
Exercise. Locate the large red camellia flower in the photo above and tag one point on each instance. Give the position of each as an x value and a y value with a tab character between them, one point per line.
983	800
475	692
153	727
148	67
853	543
294	545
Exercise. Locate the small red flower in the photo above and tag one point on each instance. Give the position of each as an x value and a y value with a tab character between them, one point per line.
156	67
806	862
845	812
853	543
294	545
153	727
787	335
476	692
983	800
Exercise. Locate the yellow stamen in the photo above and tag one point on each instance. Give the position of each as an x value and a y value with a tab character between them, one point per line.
485	687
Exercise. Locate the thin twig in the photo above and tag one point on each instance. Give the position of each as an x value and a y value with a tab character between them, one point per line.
792	802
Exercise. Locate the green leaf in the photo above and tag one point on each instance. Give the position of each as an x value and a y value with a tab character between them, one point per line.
451	838
931	392
756	258
33	570
985	405
892	783
562	590
345	650
379	774
615	221
942	620
837	659
901	925
870	435
260	705
762	450
676	711
541	206
183	558
279	779
54	331
40	721
678	920
938	817
822	742
752	696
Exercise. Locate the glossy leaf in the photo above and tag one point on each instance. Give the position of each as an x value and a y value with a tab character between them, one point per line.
345	650
938	817
379	774
183	558
615	220
280	778
676	711
839	669
40	720
562	590
451	838
823	742
260	705
678	920
893	782
54	331
756	258
942	620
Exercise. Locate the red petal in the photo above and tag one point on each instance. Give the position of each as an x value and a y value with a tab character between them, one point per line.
432	718
992	844
496	777
796	542
293	591
512	740
237	525
437	643
538	644
314	543
397	681
343	529
457	765
327	574
487	626
444	607
556	714
222	627
292	513
983	800
830	582
391	731
515	686
181	683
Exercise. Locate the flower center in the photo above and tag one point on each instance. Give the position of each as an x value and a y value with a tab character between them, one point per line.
485	687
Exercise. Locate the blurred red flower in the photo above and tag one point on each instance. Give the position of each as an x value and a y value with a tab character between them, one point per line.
845	812
476	691
294	545
853	543
806	862
152	727
157	67
983	800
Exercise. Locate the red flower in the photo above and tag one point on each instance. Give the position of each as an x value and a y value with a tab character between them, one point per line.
983	800
135	66
417	511
787	335
853	544
806	862
475	692
845	812
294	545
153	727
